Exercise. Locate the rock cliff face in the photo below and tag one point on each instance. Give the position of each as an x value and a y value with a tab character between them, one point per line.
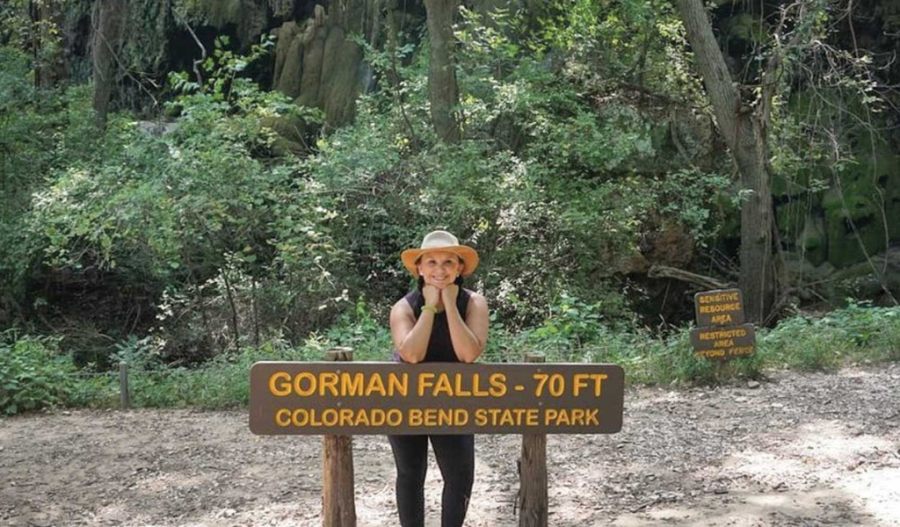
316	62
834	218
841	215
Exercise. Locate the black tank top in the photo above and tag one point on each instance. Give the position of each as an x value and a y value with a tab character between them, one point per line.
440	347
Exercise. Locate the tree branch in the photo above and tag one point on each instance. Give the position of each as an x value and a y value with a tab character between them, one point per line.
705	282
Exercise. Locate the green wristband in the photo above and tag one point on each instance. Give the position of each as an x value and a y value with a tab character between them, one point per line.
432	309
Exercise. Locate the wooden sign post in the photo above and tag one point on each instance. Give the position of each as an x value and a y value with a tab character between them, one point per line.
338	503
341	398
532	504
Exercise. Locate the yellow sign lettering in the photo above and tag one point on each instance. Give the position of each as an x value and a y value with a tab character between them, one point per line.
328	382
426	380
498	385
283	388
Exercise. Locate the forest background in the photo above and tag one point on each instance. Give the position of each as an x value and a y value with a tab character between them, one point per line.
189	186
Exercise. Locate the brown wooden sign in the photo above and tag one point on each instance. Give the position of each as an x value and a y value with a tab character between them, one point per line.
723	307
724	343
347	398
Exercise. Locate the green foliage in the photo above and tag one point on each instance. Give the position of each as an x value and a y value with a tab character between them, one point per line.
856	333
602	45
41	132
15	88
562	129
200	213
226	248
369	338
584	145
33	374
574	326
688	196
222	74
138	354
40	35
234	244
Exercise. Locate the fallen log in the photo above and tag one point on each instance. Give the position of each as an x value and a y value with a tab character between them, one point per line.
705	282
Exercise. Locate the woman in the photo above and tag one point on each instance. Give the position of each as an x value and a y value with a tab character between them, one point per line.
439	322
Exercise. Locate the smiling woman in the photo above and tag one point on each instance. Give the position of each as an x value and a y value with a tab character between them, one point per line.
454	328
438	322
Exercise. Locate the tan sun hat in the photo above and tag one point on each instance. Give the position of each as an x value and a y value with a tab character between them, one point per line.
440	241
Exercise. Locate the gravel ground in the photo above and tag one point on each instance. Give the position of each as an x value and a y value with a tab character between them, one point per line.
800	449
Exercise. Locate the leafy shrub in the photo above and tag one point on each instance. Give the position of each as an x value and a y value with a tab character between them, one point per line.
42	131
574	327
855	333
370	339
33	374
138	354
222	382
241	247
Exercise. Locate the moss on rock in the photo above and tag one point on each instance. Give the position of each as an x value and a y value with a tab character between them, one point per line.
812	243
147	25
249	17
314	41
867	199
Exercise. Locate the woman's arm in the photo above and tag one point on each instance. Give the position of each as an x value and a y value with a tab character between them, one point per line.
411	336
469	337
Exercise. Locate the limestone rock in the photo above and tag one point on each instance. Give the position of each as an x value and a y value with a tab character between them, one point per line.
285	37
671	245
312	67
282	8
292	70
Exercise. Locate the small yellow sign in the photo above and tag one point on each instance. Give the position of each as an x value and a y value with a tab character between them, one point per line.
723	307
724	343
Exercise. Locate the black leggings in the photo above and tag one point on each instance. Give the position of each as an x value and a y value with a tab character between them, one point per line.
456	458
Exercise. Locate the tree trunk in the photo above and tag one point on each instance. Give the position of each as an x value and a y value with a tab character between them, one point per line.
442	88
746	138
49	58
109	21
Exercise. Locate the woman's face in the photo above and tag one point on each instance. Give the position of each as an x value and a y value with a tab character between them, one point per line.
439	268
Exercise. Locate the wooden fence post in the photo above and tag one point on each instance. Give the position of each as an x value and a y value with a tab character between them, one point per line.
124	397
338	505
533	473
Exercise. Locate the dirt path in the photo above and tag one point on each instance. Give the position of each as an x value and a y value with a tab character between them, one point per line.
807	449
